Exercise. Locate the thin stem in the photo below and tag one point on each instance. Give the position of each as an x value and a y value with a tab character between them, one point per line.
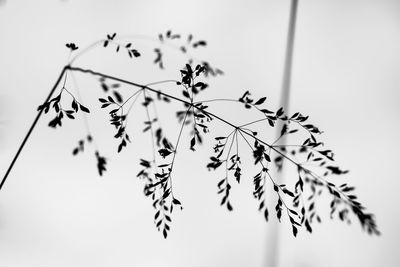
249	123
237	145
227	155
129	98
176	147
31	128
130	108
217	100
86	122
151	128
86	49
161	82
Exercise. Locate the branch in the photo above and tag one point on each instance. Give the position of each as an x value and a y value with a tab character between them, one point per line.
32	127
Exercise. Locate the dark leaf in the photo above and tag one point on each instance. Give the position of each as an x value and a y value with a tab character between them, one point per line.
266	214
279	112
260	101
118	97
165	234
229	206
164	152
75	151
308	226
192	143
294	230
84	109
176	202
101	163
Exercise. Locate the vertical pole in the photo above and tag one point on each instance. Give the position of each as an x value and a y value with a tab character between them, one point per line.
30	130
272	256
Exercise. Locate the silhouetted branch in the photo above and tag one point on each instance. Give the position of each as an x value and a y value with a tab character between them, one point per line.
31	128
158	177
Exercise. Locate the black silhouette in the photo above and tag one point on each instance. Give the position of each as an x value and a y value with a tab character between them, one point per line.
297	202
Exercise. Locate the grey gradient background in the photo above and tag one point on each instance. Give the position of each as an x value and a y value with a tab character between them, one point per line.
56	211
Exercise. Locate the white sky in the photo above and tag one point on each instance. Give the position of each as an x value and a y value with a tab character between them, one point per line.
55	211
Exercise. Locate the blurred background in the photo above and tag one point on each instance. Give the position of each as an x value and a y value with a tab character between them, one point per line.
56	211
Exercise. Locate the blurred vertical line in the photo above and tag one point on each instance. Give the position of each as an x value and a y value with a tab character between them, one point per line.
272	257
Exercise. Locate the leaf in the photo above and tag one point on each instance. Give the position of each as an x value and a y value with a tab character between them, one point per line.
166	194
295	115
145	163
294	230
164	152
189	38
260	101
117	96
284	129
120	147
185	94
293	212
71	46
266	111
199	43
156	215
84	109
101	163
279	112
74	106
287	192
266	214
165	234
41	107
308	226
75	151
135	53
279	214
54	122
104	87
201	85
176	202
70	116
192	143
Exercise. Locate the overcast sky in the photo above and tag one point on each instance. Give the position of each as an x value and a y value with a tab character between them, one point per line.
56	211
